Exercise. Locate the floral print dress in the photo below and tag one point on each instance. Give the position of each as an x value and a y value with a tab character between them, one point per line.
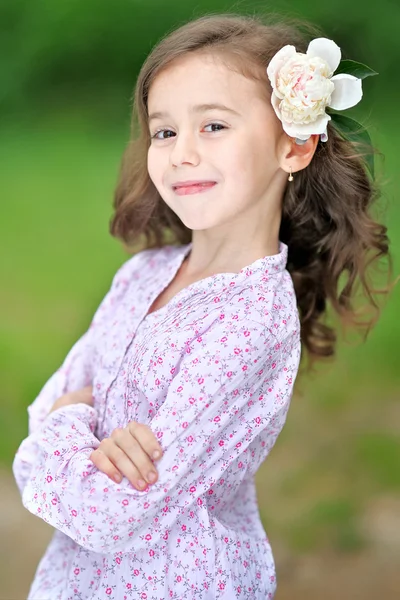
211	373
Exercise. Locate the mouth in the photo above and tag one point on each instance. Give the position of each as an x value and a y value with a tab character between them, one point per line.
184	188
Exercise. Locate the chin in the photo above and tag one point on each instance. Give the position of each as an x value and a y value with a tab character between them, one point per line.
199	219
199	222
194	224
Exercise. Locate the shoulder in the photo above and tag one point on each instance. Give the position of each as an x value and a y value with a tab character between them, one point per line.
268	314
136	270
252	328
278	310
254	316
270	299
137	264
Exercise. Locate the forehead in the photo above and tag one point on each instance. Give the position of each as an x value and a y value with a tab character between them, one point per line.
198	78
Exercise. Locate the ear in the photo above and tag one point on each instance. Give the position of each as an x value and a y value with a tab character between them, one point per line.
297	156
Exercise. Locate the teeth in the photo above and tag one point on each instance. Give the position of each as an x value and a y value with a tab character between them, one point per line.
200	184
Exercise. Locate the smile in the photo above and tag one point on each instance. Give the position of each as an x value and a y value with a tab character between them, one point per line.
186	188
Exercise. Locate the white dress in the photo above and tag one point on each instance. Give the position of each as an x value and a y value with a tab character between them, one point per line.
212	374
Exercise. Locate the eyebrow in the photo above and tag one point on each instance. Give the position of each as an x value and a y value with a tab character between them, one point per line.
198	108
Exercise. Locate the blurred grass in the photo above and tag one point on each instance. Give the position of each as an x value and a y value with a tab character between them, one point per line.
57	256
340	447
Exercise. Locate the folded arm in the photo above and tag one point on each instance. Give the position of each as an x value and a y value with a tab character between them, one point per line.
218	403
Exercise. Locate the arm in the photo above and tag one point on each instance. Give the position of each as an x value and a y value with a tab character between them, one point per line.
75	373
220	400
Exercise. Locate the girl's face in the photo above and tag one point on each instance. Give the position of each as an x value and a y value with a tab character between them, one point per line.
214	152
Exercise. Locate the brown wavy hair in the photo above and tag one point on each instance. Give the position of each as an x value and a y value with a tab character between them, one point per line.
326	222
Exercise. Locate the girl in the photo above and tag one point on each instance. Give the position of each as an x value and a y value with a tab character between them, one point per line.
195	349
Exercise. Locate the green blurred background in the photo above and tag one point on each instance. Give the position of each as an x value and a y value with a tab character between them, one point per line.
329	493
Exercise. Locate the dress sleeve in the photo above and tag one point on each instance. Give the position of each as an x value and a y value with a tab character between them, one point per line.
75	373
220	400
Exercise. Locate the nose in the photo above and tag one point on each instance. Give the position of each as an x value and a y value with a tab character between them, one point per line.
184	150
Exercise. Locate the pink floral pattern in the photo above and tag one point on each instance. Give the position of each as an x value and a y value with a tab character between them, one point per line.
212	374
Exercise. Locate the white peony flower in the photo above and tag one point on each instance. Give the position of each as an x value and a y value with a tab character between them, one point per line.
303	86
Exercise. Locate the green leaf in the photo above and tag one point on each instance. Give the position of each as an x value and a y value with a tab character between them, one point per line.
354	132
351	67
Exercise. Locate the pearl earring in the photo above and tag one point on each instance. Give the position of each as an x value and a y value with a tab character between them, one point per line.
290	178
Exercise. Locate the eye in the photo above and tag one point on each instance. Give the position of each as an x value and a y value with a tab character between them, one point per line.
214	127
163	134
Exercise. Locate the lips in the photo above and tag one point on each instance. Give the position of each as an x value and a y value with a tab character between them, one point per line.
183	188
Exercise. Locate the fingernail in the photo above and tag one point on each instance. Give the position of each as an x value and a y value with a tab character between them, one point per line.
141	483
117	478
151	476
156	454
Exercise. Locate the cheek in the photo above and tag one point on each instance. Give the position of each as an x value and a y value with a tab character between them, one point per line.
260	160
243	168
154	165
247	156
233	162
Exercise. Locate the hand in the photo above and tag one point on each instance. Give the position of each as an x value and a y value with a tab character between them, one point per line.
83	395
129	451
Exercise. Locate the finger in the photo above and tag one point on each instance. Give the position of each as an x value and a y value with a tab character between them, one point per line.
100	460
122	462
85	400
134	451
87	395
146	439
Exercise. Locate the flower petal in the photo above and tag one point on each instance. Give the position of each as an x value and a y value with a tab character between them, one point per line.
347	92
324	136
278	61
275	101
303	132
327	50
